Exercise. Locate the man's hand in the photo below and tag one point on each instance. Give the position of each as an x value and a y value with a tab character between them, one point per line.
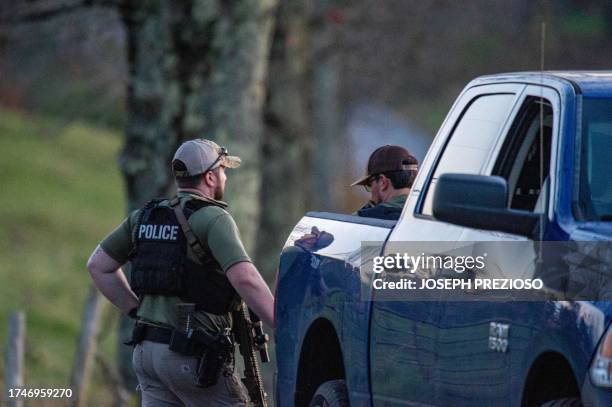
315	240
245	278
110	280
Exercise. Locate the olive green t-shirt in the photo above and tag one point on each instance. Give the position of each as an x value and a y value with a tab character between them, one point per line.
215	229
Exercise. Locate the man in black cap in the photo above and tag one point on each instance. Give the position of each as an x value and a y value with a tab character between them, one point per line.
184	250
389	176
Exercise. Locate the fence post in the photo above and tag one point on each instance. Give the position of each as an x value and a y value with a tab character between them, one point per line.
86	348
15	356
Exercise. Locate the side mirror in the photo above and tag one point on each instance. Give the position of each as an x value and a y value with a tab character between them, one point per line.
480	202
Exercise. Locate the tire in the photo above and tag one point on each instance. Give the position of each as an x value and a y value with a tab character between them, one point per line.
568	402
331	394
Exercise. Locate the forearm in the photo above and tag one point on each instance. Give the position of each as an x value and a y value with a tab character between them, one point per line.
260	300
253	290
110	280
115	288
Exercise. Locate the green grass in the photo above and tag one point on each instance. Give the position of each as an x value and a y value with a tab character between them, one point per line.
60	193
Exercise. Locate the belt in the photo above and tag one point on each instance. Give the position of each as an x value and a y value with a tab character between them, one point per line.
155	333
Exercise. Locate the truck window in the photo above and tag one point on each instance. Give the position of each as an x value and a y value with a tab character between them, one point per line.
595	188
520	160
472	139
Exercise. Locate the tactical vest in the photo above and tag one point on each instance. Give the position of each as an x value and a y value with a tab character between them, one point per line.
160	265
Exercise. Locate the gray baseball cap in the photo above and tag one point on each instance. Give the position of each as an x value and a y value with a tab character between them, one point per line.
194	157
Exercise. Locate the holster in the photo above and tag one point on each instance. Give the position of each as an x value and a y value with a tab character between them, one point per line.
213	352
181	343
209	367
138	334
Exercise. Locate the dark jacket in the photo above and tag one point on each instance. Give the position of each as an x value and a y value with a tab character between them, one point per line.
390	210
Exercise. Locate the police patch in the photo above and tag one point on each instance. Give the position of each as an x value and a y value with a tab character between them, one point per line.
158	232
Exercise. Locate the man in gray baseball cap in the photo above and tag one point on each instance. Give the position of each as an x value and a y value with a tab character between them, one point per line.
197	157
183	250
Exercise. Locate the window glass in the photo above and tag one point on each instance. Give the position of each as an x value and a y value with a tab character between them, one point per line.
524	160
472	140
595	187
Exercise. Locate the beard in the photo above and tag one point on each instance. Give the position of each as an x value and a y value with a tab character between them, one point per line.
219	192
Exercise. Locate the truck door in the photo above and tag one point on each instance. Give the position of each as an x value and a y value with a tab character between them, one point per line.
472	369
404	335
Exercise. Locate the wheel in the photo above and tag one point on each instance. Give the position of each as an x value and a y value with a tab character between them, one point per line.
568	402
331	394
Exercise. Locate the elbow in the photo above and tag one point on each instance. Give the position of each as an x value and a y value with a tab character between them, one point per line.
90	265
93	266
246	282
245	279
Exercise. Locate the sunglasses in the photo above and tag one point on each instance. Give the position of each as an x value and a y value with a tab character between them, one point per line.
222	153
368	183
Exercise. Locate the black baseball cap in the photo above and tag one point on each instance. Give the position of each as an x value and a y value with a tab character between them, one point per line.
388	159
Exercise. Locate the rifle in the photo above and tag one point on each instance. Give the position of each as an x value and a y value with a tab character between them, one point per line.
249	334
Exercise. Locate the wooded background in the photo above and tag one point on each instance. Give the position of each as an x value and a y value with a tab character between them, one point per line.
95	96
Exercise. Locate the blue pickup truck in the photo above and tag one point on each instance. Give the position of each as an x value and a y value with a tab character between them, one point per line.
521	157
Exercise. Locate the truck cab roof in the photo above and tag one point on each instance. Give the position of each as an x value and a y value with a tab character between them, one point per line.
588	83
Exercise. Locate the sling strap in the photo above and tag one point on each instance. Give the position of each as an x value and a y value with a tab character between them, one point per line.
192	239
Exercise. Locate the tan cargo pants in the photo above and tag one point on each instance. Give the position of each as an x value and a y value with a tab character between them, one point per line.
167	378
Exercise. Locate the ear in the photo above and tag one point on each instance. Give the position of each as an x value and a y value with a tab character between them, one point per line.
384	182
209	179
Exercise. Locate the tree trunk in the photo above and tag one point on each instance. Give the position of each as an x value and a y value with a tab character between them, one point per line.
286	140
329	162
196	70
